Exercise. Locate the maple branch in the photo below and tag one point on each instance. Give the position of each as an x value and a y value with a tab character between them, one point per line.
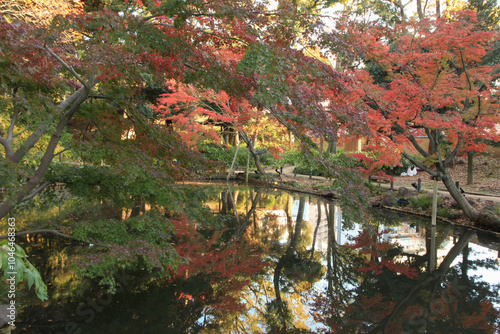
40	130
69	68
419	164
398	128
438	152
61	151
19	133
34	193
454	153
225	37
431	139
169	25
417	146
465	69
435	81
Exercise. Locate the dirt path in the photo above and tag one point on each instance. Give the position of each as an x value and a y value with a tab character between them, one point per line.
486	184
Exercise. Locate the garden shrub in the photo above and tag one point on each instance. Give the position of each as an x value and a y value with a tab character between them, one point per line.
215	152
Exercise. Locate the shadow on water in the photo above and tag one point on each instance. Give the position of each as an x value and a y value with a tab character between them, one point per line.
278	262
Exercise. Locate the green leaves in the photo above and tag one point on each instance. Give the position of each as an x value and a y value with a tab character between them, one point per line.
15	264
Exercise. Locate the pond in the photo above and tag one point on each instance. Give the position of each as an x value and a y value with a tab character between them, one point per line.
279	262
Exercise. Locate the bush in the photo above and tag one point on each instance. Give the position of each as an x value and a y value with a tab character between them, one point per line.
397	170
212	151
306	165
293	157
423	202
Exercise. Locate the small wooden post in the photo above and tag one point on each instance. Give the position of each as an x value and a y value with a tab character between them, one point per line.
295	172
234	159
434	198
432	264
419	184
248	164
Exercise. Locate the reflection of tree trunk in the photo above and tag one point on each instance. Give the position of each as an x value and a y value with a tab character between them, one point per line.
318	222
433	279
243	225
332	251
233	202
331	248
440	237
290	250
465	266
433	250
223	197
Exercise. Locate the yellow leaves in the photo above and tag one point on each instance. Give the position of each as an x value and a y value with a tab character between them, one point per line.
40	12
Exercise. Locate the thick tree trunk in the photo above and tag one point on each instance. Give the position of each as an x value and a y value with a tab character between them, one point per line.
484	218
332	146
35	180
462	202
419	10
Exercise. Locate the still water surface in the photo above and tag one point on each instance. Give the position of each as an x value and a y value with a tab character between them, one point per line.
284	263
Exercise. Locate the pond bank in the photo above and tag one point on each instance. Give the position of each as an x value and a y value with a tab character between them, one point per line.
311	186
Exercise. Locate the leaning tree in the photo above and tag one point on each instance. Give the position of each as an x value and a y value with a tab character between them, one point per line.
428	78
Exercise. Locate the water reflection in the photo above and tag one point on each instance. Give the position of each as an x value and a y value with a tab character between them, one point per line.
275	262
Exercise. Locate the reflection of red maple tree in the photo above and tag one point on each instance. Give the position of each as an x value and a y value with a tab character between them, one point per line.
227	267
375	250
428	301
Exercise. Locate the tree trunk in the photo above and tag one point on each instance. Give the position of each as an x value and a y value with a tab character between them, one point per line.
332	147
470	167
419	10
255	156
321	147
466	207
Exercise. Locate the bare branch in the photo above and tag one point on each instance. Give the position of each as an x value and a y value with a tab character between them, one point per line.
69	68
61	151
20	133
